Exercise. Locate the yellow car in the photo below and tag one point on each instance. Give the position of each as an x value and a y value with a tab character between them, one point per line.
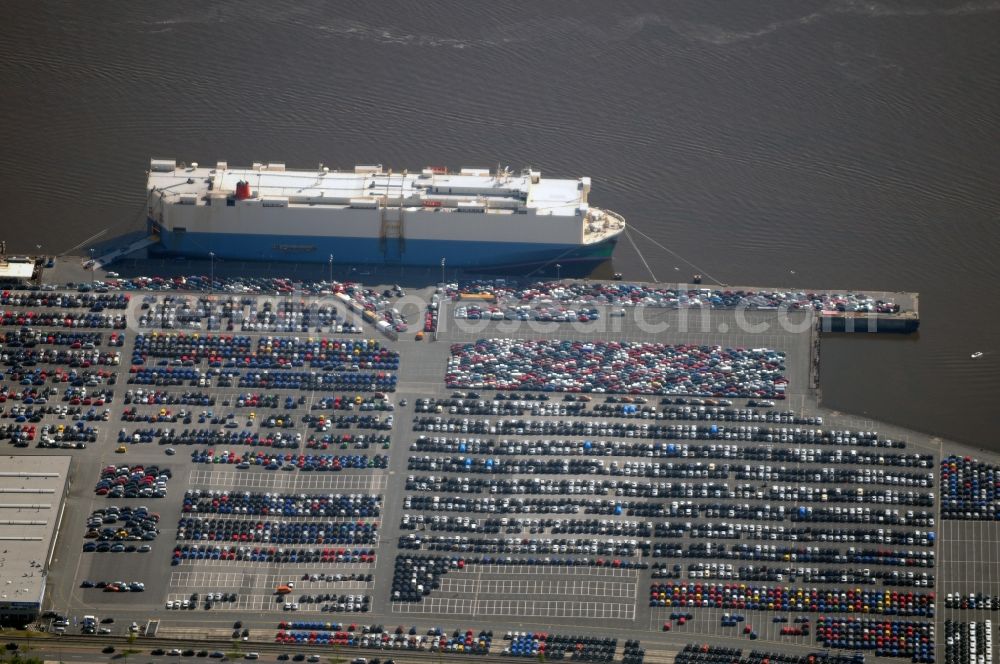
121	449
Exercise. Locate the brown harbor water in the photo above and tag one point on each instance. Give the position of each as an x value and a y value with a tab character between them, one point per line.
832	145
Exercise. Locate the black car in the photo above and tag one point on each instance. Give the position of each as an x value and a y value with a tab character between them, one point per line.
156	652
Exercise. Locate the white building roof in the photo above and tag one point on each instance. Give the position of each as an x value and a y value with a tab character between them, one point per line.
16	269
31	493
561	197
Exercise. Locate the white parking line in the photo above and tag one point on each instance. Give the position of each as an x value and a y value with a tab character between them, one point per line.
465	607
213	580
519	608
373	481
478	587
508	570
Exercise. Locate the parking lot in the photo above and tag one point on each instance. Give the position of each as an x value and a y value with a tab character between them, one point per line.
970	566
680	502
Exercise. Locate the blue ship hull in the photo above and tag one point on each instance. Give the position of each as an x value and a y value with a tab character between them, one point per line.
310	249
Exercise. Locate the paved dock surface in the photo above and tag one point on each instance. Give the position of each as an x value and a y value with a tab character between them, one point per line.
605	601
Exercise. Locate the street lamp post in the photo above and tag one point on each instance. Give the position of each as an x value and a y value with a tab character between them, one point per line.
92	266
558	272
331	268
211	278
442	270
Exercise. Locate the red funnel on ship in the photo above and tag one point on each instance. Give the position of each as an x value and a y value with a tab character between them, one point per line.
243	190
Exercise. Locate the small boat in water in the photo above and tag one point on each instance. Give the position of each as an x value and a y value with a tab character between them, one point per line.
977	354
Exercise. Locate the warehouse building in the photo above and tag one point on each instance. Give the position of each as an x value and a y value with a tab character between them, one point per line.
16	270
32	492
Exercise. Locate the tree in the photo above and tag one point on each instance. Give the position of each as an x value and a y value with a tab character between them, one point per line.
125	653
235	653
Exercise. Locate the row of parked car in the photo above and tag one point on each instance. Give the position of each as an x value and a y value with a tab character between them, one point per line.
267	352
587	293
32	337
133	482
277	532
886	638
115	525
515	526
968	642
790	598
92	319
210	600
558	545
344	441
377	638
278	504
271	555
693	653
616	367
804	554
970	489
719	451
115	586
162	397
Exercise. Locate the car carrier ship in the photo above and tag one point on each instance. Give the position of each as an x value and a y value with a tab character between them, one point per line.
470	219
